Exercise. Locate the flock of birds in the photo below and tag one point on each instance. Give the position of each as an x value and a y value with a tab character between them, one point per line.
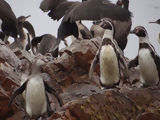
111	23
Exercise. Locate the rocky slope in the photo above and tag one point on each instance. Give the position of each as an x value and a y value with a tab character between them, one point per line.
83	98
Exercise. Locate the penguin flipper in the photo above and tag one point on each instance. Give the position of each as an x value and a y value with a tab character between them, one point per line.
93	64
124	64
49	110
17	92
53	91
85	35
133	63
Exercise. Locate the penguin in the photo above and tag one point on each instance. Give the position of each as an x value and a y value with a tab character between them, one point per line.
43	44
108	57
147	59
36	99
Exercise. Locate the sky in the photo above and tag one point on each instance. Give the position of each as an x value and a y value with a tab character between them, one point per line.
143	12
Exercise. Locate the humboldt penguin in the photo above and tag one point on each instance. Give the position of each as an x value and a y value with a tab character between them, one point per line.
109	57
43	45
36	99
85	10
147	59
22	41
9	21
122	29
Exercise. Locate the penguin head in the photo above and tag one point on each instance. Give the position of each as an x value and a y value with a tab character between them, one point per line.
22	19
97	31
108	26
140	31
37	65
123	3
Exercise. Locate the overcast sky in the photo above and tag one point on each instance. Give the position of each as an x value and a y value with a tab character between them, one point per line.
143	12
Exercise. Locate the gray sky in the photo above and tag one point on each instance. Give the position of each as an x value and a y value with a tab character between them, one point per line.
143	12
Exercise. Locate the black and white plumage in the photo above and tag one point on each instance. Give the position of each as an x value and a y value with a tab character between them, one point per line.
43	44
86	10
9	21
147	58
109	56
22	40
36	99
121	28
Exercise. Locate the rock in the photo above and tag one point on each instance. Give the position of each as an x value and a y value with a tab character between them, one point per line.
7	55
112	104
149	116
73	64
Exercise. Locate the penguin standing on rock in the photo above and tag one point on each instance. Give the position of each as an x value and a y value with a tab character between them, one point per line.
148	59
109	57
36	99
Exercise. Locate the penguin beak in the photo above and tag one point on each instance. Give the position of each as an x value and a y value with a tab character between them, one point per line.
27	17
132	32
97	22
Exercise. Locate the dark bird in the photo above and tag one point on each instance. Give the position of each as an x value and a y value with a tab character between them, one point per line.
121	28
109	57
84	32
85	10
147	59
36	99
9	21
22	40
43	45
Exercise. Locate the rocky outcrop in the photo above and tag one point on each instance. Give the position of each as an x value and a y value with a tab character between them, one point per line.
83	98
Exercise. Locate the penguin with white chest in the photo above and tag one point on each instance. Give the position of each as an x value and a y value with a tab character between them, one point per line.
108	56
148	59
36	99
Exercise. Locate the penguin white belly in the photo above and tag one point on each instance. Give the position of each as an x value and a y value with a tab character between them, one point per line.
148	69
109	68
24	77
36	103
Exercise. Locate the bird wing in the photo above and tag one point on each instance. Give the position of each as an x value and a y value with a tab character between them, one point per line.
17	92
93	64
53	91
96	10
6	12
133	63
47	5
61	9
156	60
